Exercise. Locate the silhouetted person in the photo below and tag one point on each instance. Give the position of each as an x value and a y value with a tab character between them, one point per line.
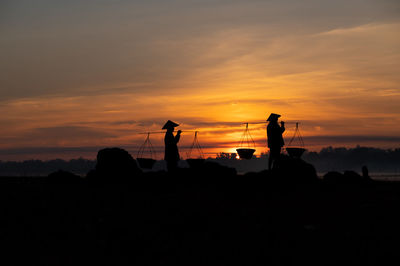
364	170
365	173
171	148
275	139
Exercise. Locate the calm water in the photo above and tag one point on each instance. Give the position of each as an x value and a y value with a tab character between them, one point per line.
386	176
379	176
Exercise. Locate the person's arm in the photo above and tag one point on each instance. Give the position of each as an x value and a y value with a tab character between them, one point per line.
178	136
282	126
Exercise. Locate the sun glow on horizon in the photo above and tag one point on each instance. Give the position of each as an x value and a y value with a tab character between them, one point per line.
111	73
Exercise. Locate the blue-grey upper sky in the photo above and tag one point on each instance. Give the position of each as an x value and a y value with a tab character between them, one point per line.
64	47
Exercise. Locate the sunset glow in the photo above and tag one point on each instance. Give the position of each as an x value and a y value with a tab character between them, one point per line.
77	77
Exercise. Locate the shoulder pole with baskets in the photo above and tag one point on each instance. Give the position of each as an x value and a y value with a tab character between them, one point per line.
146	162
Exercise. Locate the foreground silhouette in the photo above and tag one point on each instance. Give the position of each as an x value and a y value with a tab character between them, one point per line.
328	159
171	145
275	139
114	165
204	216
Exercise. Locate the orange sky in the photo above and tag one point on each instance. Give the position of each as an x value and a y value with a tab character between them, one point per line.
76	77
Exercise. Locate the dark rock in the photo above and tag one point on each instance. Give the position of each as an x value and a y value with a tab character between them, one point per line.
352	176
215	169
295	170
349	177
333	177
114	165
63	177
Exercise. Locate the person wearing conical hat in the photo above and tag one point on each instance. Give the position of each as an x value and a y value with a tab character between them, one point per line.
275	139
171	147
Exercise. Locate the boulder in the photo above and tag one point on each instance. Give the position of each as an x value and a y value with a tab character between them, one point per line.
349	177
333	177
215	169
63	177
295	170
114	165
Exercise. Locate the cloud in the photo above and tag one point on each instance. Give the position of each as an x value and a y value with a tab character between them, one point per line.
254	101
72	132
48	150
62	136
94	72
321	141
312	143
122	122
157	46
359	29
353	139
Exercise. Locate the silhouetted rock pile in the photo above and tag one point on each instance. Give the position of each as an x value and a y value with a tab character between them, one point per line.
63	177
348	177
289	170
206	216
114	165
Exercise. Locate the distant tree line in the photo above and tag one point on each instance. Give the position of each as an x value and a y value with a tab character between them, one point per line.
328	159
377	160
40	168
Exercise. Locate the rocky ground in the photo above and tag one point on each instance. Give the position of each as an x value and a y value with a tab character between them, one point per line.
206	216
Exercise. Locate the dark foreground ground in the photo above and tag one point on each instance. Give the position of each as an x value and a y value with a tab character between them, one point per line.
192	220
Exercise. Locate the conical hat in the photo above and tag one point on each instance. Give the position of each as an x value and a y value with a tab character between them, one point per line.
170	124
273	116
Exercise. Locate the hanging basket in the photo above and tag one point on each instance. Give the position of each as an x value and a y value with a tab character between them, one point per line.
196	162
145	155
146	163
245	153
247	146
296	151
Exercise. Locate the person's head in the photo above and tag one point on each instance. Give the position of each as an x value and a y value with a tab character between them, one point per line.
169	126
273	118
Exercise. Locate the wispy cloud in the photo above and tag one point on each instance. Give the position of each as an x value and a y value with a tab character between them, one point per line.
124	67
